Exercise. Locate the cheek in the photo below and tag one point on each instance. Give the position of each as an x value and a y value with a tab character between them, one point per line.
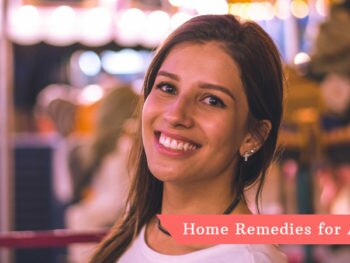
224	132
145	119
149	113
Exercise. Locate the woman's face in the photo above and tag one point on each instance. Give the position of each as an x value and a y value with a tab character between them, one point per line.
195	117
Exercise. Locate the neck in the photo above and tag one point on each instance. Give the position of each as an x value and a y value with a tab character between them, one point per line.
191	198
199	199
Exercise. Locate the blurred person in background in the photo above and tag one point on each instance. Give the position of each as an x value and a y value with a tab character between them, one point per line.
213	105
56	115
98	168
56	110
330	63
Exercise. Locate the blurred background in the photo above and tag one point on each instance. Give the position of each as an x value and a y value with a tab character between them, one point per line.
71	75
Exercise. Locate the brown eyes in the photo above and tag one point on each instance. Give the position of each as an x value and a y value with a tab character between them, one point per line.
214	101
206	98
166	87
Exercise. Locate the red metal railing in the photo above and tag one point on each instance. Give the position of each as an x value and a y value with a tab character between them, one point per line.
53	238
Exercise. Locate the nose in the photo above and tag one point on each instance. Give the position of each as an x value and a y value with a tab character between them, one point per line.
179	113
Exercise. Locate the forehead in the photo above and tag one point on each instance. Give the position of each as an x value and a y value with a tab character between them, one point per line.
207	61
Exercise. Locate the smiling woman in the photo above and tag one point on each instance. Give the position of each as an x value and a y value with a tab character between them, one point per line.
212	109
191	107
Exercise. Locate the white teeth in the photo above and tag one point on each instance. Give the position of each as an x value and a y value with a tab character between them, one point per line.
162	139
167	142
186	145
175	144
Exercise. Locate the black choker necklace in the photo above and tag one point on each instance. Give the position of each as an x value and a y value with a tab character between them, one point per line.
228	210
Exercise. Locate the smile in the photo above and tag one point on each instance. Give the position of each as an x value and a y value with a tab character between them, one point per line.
176	144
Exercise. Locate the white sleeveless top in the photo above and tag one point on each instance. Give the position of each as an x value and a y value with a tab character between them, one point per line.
140	252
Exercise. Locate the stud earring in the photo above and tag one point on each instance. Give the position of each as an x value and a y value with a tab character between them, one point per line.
248	154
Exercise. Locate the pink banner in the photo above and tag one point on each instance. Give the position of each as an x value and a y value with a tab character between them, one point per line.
258	229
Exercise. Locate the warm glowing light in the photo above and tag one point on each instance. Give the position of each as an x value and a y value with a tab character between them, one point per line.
127	61
157	27
240	9
27	13
178	19
245	11
130	26
282	9
91	94
95	33
301	58
255	12
268	11
299	8
176	3
321	7
63	12
211	7
25	25
184	3
157	18
107	3
89	63
306	115
61	26
234	9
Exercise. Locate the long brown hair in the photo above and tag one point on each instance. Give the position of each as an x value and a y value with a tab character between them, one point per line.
261	74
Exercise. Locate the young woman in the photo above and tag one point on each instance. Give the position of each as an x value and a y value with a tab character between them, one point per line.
210	119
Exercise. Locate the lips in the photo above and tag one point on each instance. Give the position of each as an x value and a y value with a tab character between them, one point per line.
173	142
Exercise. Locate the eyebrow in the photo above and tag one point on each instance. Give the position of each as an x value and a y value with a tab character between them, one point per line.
168	74
202	85
210	86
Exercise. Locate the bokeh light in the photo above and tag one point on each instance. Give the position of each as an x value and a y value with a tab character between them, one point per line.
25	25
299	8
126	61
89	63
301	58
91	94
129	26
178	19
282	10
211	7
321	7
157	28
95	26
61	26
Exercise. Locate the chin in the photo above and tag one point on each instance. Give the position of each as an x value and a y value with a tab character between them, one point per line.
166	174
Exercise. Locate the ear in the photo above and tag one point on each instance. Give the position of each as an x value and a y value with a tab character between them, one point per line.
255	138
